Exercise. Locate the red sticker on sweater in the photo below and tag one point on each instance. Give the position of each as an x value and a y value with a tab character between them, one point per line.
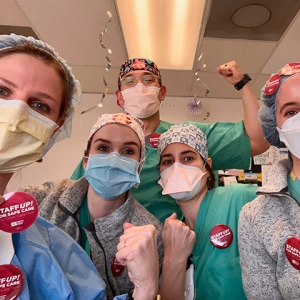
153	139
221	236
291	68
272	85
18	212
292	251
116	268
11	282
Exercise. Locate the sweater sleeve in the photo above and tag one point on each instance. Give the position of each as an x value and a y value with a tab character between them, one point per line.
39	192
258	267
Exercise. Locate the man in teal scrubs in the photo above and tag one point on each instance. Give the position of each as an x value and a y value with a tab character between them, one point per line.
230	144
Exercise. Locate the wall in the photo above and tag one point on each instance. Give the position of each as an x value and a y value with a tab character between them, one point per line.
62	159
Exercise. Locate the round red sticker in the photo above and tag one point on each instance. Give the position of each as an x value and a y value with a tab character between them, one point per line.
116	268
153	139
272	85
221	236
18	212
292	251
291	68
11	282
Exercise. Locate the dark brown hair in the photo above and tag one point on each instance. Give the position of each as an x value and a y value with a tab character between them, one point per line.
211	180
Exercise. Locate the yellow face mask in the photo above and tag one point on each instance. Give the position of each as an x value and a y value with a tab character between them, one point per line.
23	135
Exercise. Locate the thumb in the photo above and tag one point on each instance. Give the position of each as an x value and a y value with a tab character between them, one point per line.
127	225
172	217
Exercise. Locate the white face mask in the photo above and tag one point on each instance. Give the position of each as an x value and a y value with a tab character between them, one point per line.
141	101
181	182
290	134
23	134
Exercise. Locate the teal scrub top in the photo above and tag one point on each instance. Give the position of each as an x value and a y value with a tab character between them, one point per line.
228	147
294	186
217	271
84	219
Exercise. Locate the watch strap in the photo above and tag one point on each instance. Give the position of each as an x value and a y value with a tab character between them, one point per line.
242	82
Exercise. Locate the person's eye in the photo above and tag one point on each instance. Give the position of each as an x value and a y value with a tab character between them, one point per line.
166	162
3	91
148	79
103	148
38	106
188	158
291	113
128	81
128	151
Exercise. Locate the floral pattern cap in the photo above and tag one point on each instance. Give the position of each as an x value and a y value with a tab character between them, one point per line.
134	123
136	64
187	134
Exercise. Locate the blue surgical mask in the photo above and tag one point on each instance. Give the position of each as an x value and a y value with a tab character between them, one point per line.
110	175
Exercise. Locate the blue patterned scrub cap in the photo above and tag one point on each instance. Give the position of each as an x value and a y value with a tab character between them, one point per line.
186	134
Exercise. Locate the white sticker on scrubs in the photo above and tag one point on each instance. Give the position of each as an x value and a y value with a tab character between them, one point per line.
6	248
189	290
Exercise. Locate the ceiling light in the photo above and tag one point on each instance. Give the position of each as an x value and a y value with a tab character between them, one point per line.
165	31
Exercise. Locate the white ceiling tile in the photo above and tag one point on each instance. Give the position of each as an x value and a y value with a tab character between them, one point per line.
12	15
73	28
287	50
250	55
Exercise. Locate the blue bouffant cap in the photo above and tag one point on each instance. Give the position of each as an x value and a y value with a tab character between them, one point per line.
269	92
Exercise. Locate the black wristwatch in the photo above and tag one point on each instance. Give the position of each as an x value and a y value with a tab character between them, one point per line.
241	83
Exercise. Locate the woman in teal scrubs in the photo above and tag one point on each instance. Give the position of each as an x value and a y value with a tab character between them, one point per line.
208	230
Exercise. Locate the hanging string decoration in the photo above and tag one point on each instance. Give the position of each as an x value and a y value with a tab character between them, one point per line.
108	52
194	104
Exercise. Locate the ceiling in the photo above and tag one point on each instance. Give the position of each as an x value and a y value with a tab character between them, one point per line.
72	27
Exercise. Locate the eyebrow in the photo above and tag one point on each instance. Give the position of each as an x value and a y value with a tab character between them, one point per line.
284	106
38	94
9	82
181	153
109	142
144	73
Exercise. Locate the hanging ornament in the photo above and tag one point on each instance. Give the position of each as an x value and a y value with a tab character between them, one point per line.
194	104
106	89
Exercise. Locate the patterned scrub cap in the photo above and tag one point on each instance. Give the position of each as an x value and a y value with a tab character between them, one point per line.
185	134
136	64
134	123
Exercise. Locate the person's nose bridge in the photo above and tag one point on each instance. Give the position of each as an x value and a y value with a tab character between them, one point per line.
139	80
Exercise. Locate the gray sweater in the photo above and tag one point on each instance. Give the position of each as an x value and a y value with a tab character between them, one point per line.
59	202
265	225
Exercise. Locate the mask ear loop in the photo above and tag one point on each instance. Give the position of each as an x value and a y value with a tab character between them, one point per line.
140	170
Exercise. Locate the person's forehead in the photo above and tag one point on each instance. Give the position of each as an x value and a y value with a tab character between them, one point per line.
116	129
178	147
137	73
290	88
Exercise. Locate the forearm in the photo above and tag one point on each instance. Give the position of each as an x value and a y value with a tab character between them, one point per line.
252	126
148	293
173	280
